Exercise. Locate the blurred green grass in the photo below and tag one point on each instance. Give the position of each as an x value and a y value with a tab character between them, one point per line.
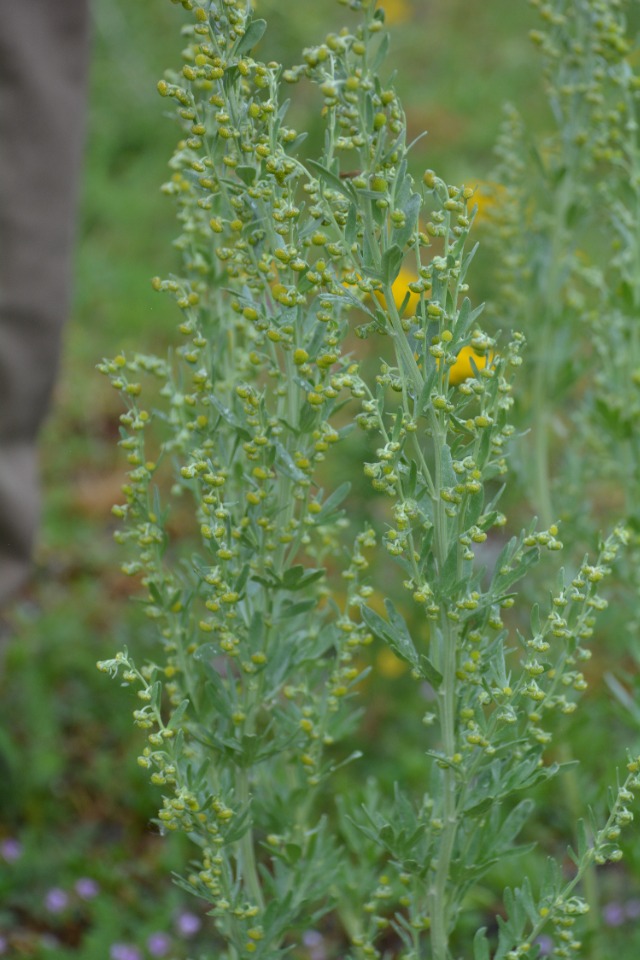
70	788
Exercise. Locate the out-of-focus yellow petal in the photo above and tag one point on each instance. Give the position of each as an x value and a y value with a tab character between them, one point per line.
487	197
396	11
462	369
389	665
399	289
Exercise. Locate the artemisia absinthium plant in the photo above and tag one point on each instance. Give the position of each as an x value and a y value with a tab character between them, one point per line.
566	223
251	692
566	247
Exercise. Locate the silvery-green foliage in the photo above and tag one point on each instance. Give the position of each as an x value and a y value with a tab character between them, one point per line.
563	222
288	265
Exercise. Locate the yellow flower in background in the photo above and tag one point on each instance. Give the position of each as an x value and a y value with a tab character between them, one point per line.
399	289
462	369
389	665
396	11
487	197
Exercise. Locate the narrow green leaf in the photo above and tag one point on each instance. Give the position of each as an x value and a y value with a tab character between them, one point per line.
333	501
295	609
380	53
178	714
481	945
252	36
390	265
287	465
402	640
332	180
514	823
310	577
351	226
292	576
394	632
583	839
246	174
241	582
269	580
447	475
411	210
156	695
430	673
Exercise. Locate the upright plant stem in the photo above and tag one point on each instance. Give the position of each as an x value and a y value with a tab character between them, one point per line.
247	853
438	894
544	507
439	901
589	877
439	911
541	413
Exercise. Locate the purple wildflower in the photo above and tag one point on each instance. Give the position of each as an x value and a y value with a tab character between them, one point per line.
613	914
86	888
10	849
56	900
315	943
545	945
124	951
158	944
3	944
188	923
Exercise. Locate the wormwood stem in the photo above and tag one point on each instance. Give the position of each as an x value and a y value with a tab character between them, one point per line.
590	884
541	414
439	905
439	911
438	896
544	507
544	380
589	859
246	846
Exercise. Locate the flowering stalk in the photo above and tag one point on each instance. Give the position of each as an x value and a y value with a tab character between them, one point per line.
251	695
556	284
